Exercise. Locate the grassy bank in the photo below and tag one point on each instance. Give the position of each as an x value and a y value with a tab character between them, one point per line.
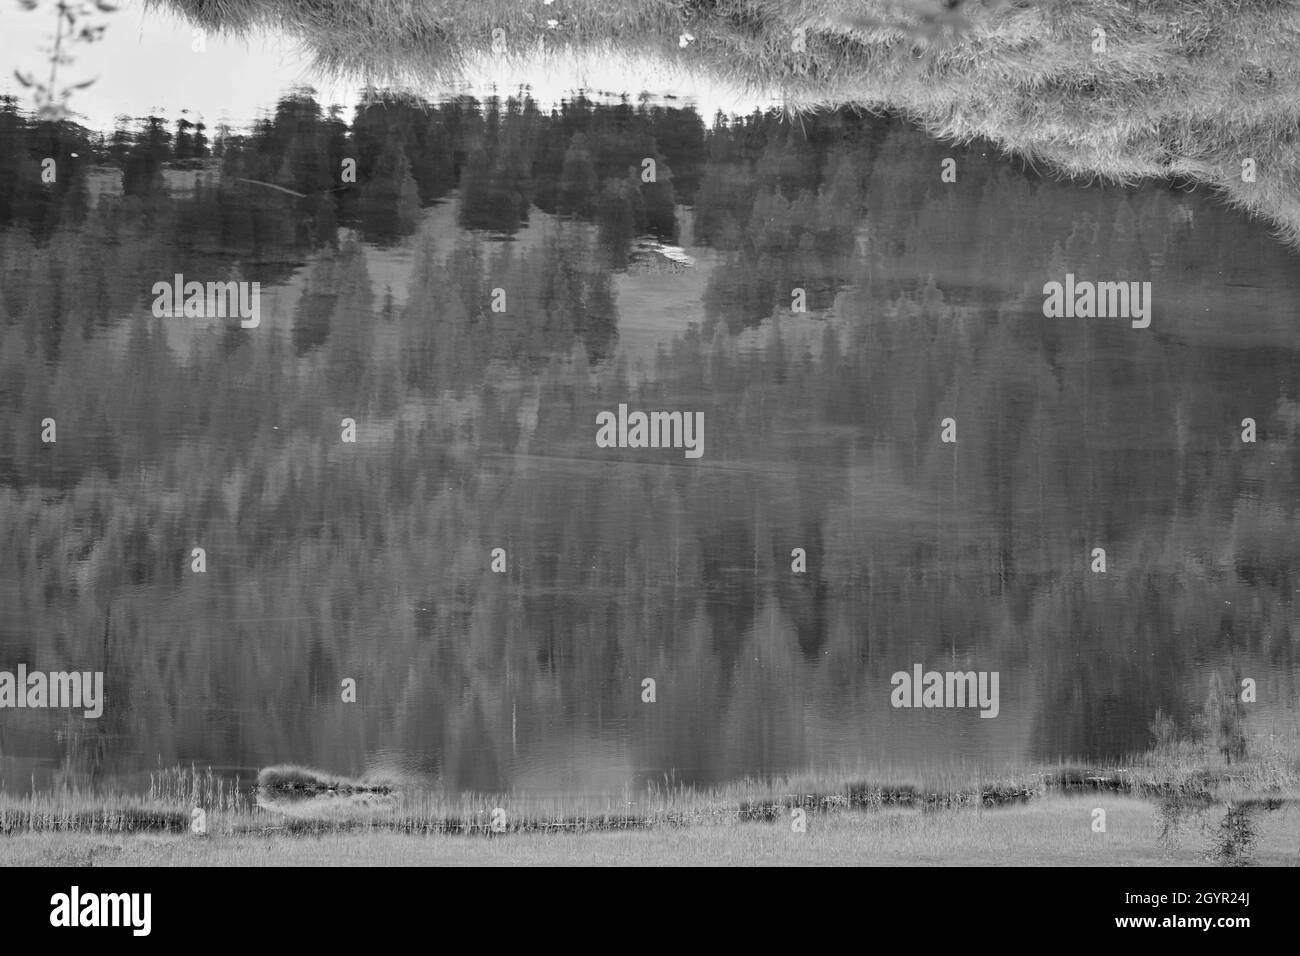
296	800
1184	88
1052	832
1178	805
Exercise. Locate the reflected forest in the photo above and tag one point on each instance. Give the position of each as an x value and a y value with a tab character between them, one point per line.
523	669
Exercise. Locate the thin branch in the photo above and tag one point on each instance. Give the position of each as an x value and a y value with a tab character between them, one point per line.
258	182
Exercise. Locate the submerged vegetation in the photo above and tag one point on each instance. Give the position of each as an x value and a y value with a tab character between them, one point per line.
294	779
1098	89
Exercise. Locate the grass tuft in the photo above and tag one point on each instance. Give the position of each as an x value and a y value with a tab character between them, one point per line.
294	778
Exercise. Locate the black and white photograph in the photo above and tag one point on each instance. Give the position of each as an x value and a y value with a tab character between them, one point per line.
650	433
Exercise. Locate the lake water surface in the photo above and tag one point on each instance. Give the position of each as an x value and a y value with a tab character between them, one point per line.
499	275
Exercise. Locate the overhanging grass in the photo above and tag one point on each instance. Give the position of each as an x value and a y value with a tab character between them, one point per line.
1186	88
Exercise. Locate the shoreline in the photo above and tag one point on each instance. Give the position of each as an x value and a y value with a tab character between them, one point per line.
287	801
1053	832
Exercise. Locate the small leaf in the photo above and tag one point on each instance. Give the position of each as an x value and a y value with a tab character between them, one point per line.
24	80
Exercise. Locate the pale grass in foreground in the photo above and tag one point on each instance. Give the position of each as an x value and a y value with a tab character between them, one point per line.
1053	832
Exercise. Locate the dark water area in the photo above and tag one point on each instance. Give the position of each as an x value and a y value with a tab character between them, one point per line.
496	277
